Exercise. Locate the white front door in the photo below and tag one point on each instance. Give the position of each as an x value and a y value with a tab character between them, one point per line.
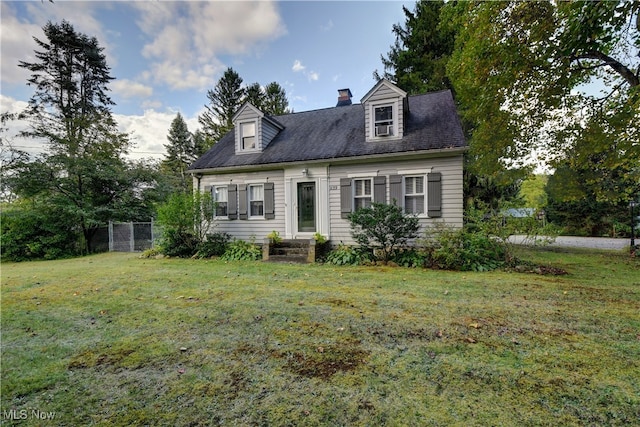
306	196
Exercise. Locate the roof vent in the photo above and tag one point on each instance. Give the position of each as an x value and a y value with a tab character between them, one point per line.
344	97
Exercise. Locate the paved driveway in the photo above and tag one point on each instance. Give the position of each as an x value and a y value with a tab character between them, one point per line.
583	242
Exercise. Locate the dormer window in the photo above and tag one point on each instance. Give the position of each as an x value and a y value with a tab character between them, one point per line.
385	112
248	136
383	120
253	130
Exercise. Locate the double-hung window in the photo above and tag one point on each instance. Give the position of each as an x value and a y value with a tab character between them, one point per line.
383	120
256	200
414	194
220	199
362	193
248	136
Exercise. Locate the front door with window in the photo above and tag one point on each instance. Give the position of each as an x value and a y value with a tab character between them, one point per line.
307	207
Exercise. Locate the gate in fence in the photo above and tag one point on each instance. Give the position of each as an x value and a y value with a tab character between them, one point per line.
131	236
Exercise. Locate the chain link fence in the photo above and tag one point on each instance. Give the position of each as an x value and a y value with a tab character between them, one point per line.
126	237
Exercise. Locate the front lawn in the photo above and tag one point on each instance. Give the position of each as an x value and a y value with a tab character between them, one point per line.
113	339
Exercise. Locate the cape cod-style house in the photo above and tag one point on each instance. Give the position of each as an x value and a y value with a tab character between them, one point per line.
303	173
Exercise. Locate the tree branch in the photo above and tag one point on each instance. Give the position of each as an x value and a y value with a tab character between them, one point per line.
618	67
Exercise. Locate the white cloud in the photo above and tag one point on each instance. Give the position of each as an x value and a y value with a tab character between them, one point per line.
187	38
312	76
14	127
297	66
149	131
17	45
151	104
130	89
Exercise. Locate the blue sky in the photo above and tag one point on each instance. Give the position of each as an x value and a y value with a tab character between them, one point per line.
166	55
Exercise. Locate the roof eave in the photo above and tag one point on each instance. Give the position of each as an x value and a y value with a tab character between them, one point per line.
370	158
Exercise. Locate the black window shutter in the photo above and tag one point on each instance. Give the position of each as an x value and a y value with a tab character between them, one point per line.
380	189
346	197
242	201
269	201
395	190
434	194
232	203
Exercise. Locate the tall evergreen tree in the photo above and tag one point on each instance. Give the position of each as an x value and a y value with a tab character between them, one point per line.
83	172
181	152
417	61
224	101
71	80
271	100
275	100
229	95
200	143
255	95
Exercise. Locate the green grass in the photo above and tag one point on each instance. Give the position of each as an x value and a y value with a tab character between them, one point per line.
117	340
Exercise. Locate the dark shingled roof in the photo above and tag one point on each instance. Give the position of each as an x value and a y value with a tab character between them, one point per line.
338	132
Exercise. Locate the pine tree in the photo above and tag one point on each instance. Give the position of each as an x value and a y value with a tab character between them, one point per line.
224	101
275	100
181	152
83	173
417	61
271	100
254	94
201	143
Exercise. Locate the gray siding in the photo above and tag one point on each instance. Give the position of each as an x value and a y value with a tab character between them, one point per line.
339	228
452	190
265	131
247	114
384	94
251	228
268	132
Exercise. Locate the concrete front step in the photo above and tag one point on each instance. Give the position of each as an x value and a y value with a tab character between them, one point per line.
296	259
298	251
294	243
288	251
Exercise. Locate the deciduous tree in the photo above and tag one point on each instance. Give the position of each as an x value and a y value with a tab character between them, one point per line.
524	72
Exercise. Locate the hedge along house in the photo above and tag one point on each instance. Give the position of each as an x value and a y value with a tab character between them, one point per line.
303	173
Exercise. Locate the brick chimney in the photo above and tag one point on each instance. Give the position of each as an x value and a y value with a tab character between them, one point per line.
344	97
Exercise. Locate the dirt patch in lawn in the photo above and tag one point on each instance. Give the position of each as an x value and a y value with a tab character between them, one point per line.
325	361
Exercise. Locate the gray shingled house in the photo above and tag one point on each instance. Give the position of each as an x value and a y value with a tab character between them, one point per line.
302	173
